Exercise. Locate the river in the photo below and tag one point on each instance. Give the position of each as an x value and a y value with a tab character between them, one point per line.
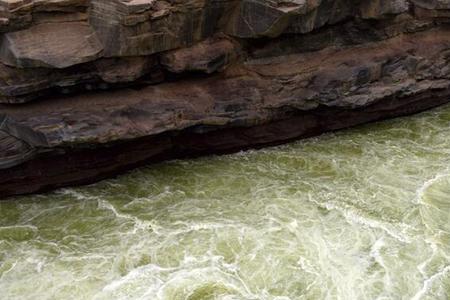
357	214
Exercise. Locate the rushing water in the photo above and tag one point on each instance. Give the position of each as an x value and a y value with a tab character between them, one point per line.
358	214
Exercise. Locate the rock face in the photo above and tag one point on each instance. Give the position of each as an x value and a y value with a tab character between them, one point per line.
50	45
89	89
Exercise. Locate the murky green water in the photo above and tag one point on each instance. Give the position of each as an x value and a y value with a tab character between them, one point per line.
359	214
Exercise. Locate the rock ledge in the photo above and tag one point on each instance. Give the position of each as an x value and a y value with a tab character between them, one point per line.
89	89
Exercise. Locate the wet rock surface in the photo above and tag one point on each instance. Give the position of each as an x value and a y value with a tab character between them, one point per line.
104	86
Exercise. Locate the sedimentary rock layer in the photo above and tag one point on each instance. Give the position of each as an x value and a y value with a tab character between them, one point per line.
153	80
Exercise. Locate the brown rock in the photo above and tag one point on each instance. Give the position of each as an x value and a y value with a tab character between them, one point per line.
377	9
209	56
50	45
19	14
134	28
273	71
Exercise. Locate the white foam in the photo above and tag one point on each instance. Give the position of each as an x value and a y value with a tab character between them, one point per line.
427	284
427	184
353	217
138	223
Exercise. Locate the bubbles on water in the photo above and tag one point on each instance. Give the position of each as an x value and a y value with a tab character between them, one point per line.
18	233
435	208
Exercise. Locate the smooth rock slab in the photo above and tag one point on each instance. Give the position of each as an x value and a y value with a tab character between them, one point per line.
208	57
50	45
17	143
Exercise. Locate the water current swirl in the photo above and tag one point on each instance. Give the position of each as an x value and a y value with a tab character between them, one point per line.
358	214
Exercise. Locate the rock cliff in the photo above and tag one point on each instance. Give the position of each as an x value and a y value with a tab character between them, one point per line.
91	88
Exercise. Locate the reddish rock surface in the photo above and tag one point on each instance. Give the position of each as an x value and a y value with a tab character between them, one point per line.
93	88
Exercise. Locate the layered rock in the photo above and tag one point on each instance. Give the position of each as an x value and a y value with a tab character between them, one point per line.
201	76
